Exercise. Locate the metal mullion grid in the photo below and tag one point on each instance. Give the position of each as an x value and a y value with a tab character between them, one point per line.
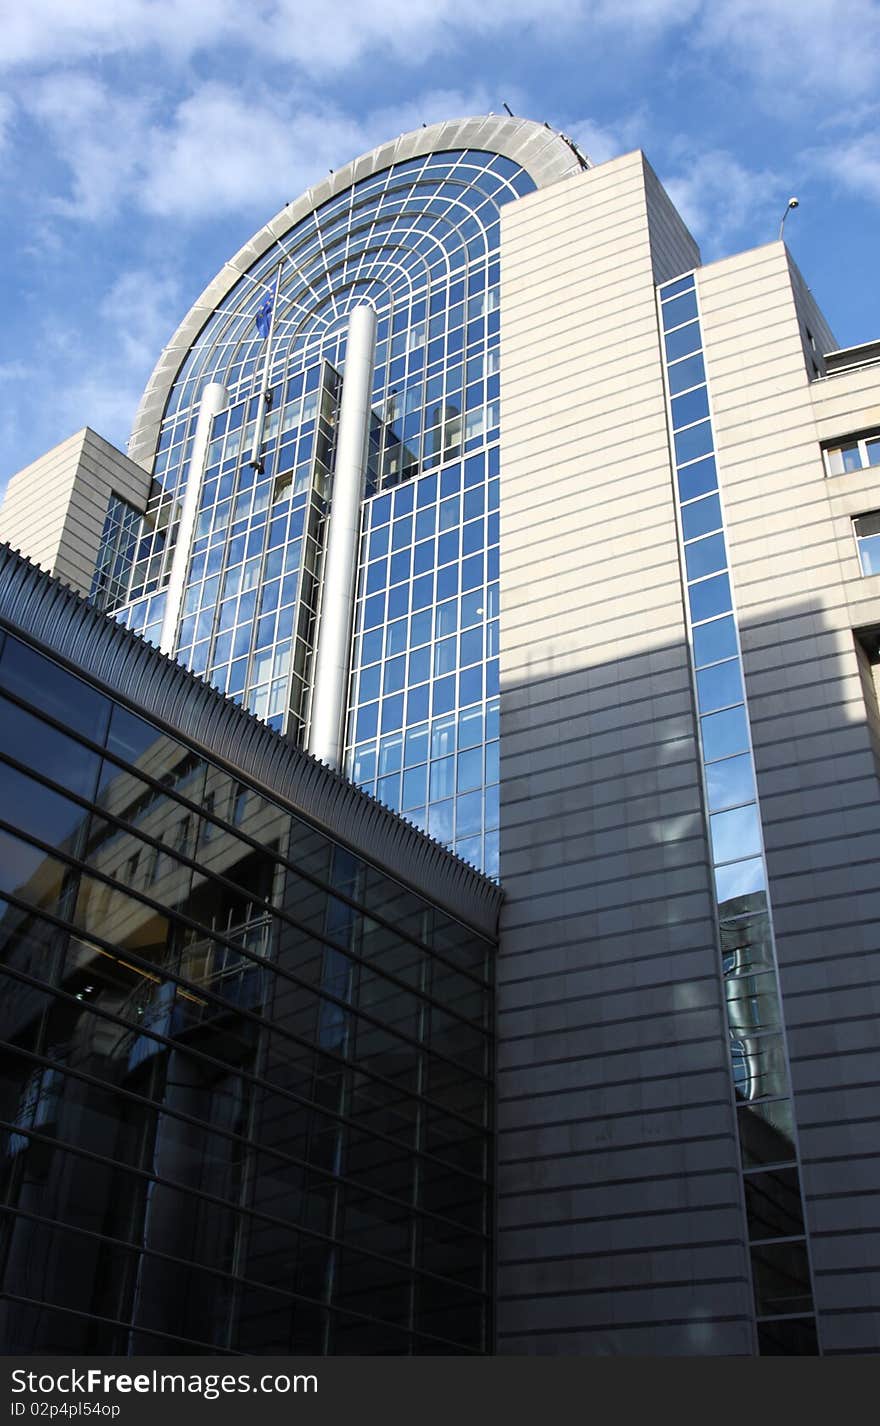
344	1121
180	918
246	1143
129	1327
238	834
177	917
682	287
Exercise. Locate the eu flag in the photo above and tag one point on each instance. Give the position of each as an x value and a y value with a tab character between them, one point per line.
264	317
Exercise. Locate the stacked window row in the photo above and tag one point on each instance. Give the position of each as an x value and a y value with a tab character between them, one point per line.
440	373
777	1237
424	691
227	1072
248	610
115	554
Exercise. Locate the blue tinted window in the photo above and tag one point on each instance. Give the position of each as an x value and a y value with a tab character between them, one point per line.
705	556
697	479
417	703
709	597
681	284
50	688
714	641
680	309
701	517
695	441
693	406
719	685
725	733
683	342
737	879
690	372
729	782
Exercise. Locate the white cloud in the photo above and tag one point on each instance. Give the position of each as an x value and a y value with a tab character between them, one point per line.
7	117
96	370
604	141
853	164
720	199
797	49
98	135
221	150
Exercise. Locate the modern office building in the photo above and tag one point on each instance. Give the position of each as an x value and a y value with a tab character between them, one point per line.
246	1069
466	476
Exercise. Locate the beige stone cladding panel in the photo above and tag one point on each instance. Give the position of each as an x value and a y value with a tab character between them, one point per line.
611	1055
36	502
55	508
799	595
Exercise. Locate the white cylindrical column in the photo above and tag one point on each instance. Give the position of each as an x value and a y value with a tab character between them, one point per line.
327	722
214	400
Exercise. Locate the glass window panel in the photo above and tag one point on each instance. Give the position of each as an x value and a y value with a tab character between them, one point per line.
416	745
417	703
752	1002
697	479
788	1337
39	812
683	342
415	787
32	742
709	597
730	782
773	1204
715	641
442	778
700	517
680	284
33	875
41	682
737	882
766	1133
470	769
781	1276
445	655
719	685
469	814
724	733
442	736
705	556
746	944
736	834
693	406
683	374
680	309
693	442
759	1065
388	790
440	821
390	754
392	713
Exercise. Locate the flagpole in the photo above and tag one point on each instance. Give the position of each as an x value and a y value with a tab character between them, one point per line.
264	399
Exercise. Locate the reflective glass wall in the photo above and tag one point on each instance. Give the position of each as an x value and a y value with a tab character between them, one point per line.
419	243
245	1075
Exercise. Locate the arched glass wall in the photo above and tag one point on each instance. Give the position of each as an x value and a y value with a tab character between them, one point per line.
417	241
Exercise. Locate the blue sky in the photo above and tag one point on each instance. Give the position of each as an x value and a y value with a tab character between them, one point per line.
142	141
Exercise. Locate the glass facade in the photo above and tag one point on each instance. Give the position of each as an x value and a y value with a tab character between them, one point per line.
419	243
759	1062
116	552
246	1075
